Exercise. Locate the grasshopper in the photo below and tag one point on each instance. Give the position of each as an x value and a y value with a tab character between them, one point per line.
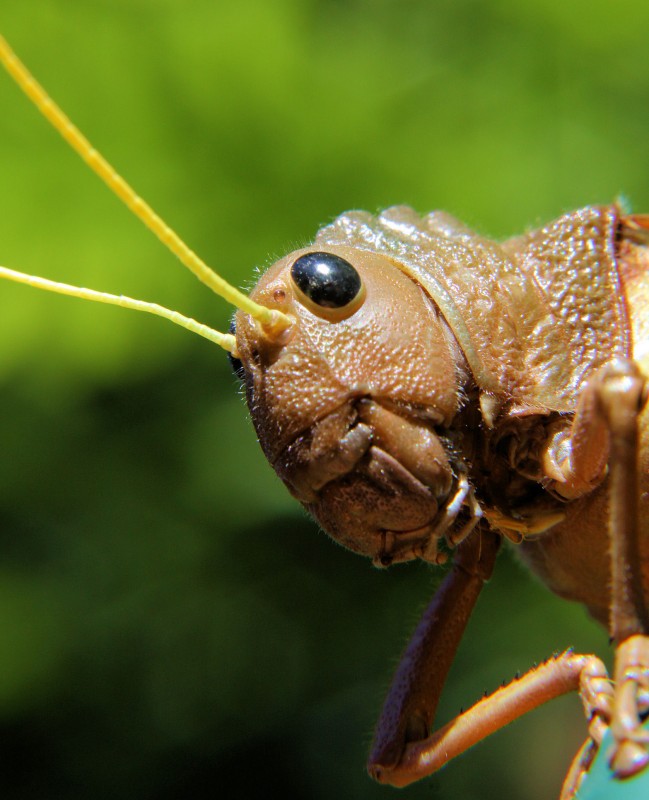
511	407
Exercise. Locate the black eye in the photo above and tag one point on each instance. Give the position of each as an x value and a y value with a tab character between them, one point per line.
327	280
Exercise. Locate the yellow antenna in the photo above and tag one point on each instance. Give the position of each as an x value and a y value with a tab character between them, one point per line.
272	320
224	340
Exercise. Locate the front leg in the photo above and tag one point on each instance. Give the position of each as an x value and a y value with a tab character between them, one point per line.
411	703
605	432
403	750
622	396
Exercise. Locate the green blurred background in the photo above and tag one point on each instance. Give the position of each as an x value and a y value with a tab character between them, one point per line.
171	623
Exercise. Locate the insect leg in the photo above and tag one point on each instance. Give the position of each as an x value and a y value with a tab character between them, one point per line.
566	673
622	393
411	703
576	453
597	695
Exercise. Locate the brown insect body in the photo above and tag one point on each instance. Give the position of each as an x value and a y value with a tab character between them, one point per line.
385	429
470	385
572	557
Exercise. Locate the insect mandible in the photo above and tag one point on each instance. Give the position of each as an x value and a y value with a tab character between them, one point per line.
521	391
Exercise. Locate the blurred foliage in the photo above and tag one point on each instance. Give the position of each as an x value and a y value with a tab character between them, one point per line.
171	624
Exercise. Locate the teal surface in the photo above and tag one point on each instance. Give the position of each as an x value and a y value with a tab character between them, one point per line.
600	784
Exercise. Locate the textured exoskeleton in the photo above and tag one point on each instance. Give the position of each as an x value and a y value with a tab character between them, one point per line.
458	395
449	385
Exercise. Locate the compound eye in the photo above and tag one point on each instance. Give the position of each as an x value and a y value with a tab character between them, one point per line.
327	280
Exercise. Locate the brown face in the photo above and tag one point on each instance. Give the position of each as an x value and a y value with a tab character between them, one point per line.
348	405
